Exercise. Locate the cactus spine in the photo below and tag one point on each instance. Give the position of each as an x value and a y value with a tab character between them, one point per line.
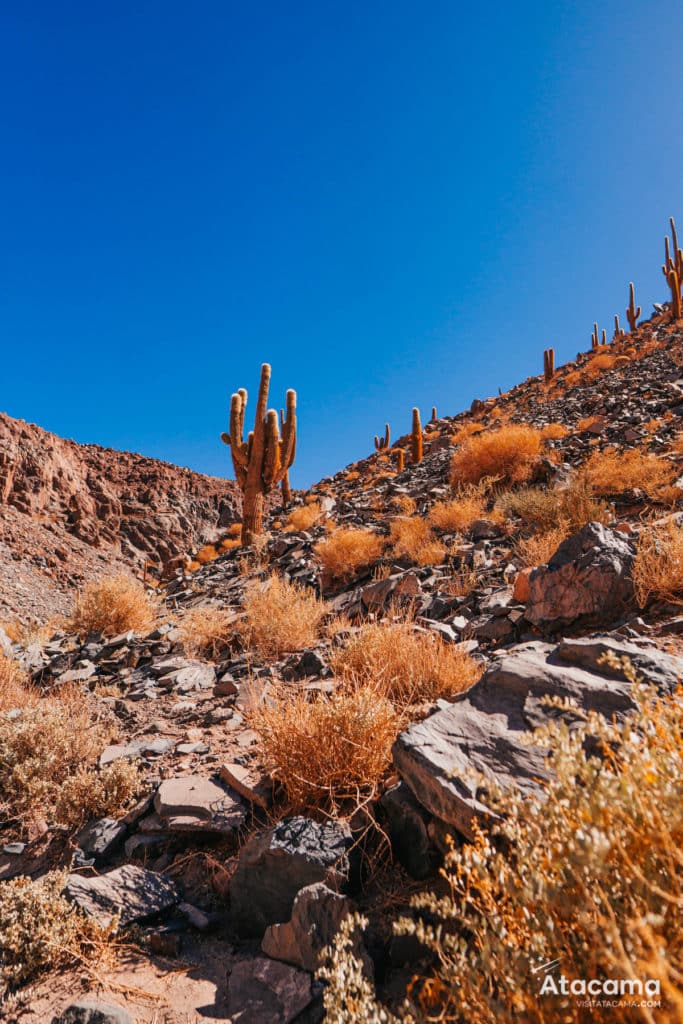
383	443
416	437
262	461
548	363
633	312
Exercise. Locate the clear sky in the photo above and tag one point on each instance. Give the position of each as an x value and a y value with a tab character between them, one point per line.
395	203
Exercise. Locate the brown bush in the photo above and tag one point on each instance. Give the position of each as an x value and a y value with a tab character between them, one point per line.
347	551
407	665
413	537
658	568
468	505
510	454
280	617
613	472
554	431
542	508
304	517
327	749
15	688
537	550
207	631
111	605
206	554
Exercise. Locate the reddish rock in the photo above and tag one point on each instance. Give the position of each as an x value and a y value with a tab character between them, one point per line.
521	591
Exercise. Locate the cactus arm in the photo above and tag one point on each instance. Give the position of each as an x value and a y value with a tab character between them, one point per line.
273	471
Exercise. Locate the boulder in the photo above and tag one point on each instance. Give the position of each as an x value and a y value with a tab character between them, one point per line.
93	1011
317	913
98	838
588	579
274	866
406	823
194	803
133	893
262	990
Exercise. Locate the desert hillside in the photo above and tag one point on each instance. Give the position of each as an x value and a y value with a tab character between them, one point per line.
439	689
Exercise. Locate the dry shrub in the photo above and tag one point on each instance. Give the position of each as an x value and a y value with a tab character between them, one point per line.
510	454
586	875
414	538
613	472
207	631
461	434
408	665
230	543
554	431
468	505
47	753
206	554
347	551
658	567
280	617
461	583
40	930
192	566
537	550
111	605
404	504
303	518
327	749
15	688
235	530
600	363
542	508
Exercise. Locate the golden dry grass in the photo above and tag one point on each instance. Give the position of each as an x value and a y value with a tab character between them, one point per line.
542	508
468	505
658	567
112	605
207	631
613	472
280	617
47	761
230	543
554	431
510	454
329	749
538	549
303	518
206	554
15	686
413	538
461	434
346	552
407	665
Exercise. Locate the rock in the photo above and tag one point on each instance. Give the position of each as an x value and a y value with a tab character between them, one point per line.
195	803
406	822
98	838
521	591
132	892
253	785
273	867
655	667
588	579
316	915
262	991
481	733
93	1011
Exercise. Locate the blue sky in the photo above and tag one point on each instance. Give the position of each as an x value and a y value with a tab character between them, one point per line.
395	203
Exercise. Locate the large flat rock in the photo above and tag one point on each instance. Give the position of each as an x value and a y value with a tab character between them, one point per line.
443	758
129	891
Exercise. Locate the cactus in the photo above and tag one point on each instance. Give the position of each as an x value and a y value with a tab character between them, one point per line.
675	286
383	443
285	486
416	437
604	336
619	331
262	461
434	416
548	363
400	460
594	337
633	312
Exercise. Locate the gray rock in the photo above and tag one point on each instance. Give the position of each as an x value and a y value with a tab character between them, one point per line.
406	822
316	915
132	892
588	579
98	838
655	667
197	804
262	991
93	1011
273	867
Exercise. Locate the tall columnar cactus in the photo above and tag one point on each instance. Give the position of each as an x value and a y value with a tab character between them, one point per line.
285	486
416	437
262	461
383	443
619	332
400	460
675	286
434	416
672	268
633	311
604	336
548	363
595	339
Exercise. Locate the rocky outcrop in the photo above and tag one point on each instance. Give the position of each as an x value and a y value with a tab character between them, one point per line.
587	580
69	510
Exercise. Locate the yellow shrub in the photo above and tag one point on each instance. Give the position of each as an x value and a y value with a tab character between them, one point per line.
112	605
554	431
280	617
613	472
537	550
658	568
346	551
459	513
207	631
413	537
509	454
304	517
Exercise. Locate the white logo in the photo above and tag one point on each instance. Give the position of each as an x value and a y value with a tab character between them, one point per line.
630	991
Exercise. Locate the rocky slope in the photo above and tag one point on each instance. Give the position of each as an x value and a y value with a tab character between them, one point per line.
69	512
209	861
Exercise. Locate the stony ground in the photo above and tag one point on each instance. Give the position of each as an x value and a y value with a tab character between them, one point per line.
221	890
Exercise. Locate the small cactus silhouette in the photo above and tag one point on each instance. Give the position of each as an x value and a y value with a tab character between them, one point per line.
383	443
633	311
548	363
416	437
